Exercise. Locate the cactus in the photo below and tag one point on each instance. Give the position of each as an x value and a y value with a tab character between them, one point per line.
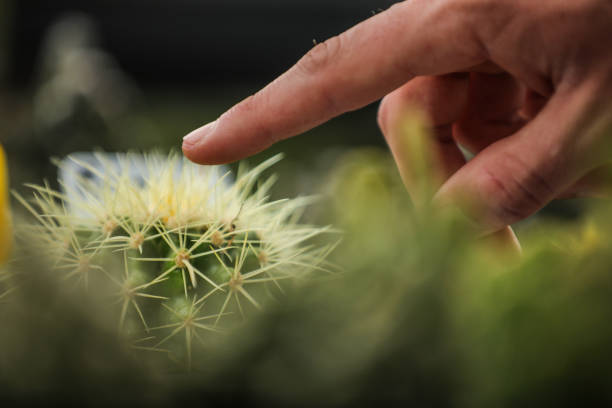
183	251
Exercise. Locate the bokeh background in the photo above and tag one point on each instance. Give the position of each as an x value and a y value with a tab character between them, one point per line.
139	74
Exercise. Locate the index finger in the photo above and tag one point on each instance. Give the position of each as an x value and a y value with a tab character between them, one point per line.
346	72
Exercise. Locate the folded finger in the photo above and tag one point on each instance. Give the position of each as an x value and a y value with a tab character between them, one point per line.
442	100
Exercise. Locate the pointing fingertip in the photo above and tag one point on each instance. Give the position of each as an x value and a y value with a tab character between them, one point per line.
199	135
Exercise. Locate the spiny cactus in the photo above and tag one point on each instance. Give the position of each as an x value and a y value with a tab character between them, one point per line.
183	250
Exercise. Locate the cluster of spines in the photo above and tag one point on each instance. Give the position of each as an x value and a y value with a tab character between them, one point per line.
178	263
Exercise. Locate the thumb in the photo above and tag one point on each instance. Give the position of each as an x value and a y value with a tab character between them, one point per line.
518	175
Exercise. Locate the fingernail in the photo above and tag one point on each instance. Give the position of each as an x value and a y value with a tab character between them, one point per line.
198	135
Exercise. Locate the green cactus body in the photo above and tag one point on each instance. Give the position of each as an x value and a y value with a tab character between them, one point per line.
184	252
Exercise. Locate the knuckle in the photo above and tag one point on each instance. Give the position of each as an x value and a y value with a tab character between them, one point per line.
321	56
317	66
513	191
251	104
505	199
251	108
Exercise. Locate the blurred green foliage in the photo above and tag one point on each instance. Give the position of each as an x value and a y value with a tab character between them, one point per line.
424	314
427	315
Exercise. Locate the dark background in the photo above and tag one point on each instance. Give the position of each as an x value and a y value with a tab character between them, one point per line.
191	43
174	65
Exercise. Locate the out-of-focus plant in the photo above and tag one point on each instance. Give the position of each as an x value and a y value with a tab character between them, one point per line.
78	78
429	315
6	239
425	313
79	99
5	219
184	251
60	346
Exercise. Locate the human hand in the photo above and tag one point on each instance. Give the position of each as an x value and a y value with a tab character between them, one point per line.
525	85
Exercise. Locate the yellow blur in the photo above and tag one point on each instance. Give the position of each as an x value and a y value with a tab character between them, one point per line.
5	219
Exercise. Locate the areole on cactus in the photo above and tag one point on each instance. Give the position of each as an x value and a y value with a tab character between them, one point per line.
184	250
